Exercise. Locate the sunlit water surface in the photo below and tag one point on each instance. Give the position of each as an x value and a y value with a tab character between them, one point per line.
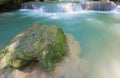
98	34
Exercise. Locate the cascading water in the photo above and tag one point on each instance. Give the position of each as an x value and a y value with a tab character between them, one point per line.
61	8
117	9
70	7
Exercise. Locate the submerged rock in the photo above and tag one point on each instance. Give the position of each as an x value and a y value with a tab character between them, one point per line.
45	44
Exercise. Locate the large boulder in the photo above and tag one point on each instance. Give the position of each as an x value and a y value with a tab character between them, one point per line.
45	44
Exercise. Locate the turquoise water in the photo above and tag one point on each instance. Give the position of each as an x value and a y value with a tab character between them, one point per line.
98	34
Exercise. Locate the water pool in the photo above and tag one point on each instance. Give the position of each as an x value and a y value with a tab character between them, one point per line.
98	34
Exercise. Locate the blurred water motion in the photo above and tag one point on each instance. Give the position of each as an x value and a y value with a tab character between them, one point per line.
97	33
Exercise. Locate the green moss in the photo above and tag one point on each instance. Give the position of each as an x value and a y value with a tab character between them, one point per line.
46	44
27	58
1	54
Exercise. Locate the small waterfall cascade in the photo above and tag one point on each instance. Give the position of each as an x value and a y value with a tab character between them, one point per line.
69	6
31	5
117	9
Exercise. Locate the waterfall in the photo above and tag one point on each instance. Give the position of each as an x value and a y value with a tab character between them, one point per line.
31	5
69	6
117	9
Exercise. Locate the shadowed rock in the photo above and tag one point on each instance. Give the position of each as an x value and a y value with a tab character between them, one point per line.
4	1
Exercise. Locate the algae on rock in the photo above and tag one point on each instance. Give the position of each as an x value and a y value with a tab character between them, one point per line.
1	47
45	44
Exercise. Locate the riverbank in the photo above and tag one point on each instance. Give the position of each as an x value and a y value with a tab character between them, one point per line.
11	5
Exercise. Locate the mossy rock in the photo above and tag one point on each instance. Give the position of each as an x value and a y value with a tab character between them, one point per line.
45	44
1	54
1	47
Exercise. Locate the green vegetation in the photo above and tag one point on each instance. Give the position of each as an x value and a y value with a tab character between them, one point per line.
4	1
